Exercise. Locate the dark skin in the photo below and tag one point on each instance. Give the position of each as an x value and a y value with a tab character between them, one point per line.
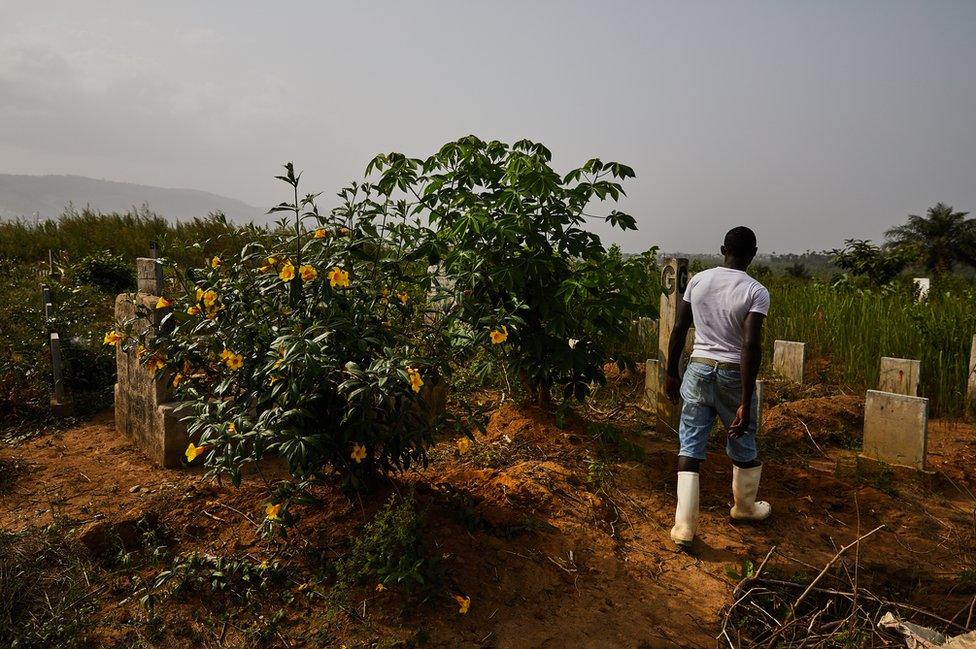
749	363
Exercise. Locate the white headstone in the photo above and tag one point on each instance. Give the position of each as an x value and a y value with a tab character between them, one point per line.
896	428
922	285
899	375
788	359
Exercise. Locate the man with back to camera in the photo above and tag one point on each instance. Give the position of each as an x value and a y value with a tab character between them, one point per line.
728	308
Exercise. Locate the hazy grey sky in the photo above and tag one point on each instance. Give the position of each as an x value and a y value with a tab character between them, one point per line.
812	121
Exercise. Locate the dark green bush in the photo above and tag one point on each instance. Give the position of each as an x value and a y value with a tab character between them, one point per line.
106	272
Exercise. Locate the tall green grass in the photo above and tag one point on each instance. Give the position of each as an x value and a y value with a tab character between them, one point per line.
76	234
848	330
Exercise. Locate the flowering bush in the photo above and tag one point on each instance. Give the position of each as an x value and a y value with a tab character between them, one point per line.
302	347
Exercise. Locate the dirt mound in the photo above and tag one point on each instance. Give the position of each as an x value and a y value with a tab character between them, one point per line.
529	425
835	419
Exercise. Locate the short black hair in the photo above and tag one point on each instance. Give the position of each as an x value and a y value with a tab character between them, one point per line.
740	241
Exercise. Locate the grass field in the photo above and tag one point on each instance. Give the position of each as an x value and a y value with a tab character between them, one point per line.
849	331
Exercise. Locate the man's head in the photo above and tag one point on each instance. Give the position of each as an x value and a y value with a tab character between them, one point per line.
740	245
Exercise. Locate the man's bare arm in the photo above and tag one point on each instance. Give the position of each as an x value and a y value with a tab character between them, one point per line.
676	345
749	365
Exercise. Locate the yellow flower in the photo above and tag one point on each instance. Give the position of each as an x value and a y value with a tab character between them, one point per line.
176	379
224	354
380	587
234	361
193	310
192	451
163	303
308	273
269	265
272	510
212	313
199	294
463	602
321	233
344	231
231	428
263	565
215	262
338	277
464	445
140	352
385	296
209	297
358	452
403	296
155	363
287	272
498	336
416	382
112	338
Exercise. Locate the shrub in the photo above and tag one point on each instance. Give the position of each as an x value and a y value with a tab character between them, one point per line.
107	272
521	267
304	347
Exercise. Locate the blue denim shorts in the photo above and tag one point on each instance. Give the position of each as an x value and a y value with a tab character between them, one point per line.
708	392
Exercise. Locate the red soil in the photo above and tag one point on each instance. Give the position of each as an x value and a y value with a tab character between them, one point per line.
555	559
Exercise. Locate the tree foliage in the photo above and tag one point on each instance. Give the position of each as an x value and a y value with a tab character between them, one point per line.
510	237
860	257
939	240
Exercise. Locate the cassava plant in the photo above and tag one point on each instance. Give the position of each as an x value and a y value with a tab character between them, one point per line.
524	273
304	346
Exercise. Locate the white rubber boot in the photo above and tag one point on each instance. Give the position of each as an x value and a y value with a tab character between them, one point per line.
745	486
686	514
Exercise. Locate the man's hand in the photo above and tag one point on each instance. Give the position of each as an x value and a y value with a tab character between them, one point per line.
740	424
672	388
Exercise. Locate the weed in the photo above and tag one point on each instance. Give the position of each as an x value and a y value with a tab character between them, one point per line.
598	473
44	594
391	549
746	570
239	579
612	441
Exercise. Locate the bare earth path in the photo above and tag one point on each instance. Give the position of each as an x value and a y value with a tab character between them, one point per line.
553	550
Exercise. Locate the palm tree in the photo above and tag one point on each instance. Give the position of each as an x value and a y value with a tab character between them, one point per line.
940	239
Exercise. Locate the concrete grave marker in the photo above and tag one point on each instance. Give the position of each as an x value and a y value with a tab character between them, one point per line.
652	383
922	285
149	276
674	280
760	397
144	408
971	382
899	375
896	429
788	359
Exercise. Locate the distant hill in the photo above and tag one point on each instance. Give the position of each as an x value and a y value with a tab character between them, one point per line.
47	196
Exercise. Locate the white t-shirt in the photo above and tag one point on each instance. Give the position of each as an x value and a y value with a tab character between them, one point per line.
720	299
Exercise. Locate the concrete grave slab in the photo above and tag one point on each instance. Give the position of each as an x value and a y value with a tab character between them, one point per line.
149	276
899	375
922	285
674	280
896	429
144	408
971	382
760	398
652	384
788	359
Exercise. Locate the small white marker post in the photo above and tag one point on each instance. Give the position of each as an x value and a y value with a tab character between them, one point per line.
971	381
922	285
